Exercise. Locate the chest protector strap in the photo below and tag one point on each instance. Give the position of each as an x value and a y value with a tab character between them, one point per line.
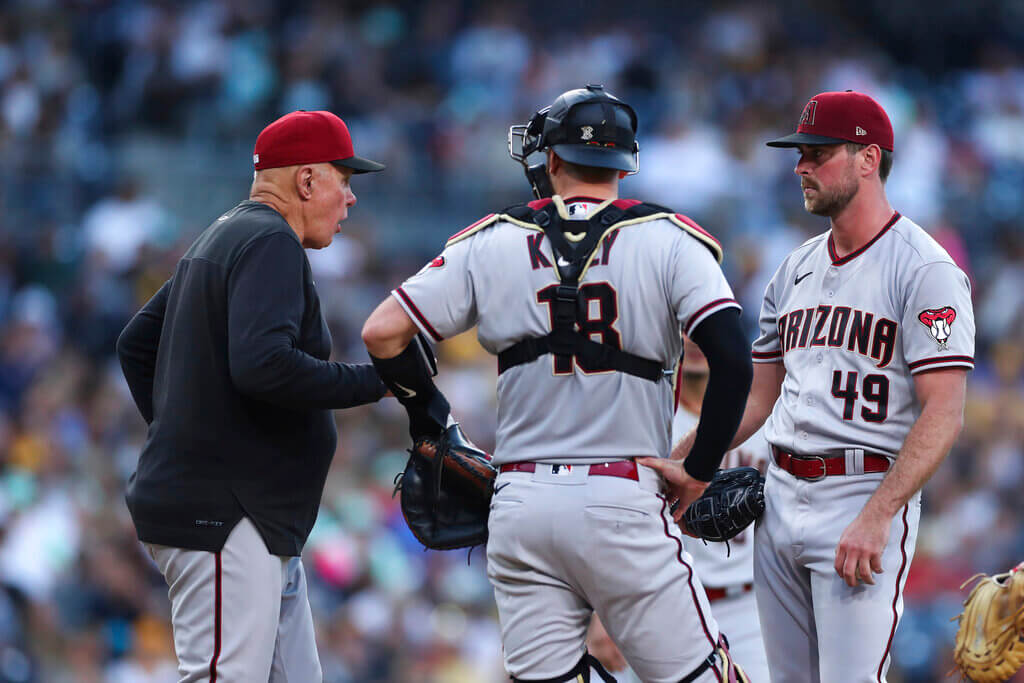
571	259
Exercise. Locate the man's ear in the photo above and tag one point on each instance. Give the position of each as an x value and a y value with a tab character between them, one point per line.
872	159
304	182
554	162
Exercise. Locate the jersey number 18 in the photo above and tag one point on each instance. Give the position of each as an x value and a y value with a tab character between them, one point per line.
600	308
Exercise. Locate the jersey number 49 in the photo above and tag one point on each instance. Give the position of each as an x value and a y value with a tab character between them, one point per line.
874	390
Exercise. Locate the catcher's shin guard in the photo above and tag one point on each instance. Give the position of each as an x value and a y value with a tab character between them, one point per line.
578	674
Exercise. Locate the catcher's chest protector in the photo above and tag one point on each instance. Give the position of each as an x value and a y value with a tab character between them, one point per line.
572	261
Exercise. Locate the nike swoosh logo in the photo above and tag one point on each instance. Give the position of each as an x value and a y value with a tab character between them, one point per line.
562	262
799	278
499	488
409	393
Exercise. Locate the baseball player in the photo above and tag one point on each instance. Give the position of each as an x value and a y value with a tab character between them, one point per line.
867	335
727	571
581	295
229	365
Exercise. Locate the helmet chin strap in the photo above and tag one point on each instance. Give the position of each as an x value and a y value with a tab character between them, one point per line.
537	176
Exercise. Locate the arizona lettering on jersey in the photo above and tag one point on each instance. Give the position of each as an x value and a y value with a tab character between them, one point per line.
498	274
839	326
853	331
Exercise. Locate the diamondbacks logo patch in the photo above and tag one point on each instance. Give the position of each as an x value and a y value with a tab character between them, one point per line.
807	117
938	321
436	263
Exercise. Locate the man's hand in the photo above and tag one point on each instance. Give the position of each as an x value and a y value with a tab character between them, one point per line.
859	553
682	489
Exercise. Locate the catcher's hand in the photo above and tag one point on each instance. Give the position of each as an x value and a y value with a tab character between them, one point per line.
730	503
990	640
446	491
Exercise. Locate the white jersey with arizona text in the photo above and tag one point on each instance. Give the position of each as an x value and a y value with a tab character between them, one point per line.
719	566
648	279
853	331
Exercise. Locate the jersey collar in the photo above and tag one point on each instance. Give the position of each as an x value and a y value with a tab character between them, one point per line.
836	261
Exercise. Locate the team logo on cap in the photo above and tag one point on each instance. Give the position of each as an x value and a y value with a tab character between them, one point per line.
587	132
938	321
808	114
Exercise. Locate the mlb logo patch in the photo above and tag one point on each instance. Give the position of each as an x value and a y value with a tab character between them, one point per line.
561	470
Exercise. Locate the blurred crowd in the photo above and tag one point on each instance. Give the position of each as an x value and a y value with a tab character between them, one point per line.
126	127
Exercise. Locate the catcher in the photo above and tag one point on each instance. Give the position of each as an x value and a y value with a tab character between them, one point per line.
581	296
990	641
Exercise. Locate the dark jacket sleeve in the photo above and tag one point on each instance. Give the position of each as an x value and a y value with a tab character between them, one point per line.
266	302
720	336
136	350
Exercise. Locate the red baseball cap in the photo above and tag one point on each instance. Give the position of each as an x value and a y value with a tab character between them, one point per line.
308	137
832	117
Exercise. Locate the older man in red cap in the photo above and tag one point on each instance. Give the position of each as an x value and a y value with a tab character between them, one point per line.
228	364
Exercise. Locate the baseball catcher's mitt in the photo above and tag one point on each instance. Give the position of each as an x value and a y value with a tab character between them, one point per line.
990	640
446	491
733	499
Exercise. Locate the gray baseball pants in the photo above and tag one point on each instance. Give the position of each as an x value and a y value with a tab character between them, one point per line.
564	543
820	630
240	615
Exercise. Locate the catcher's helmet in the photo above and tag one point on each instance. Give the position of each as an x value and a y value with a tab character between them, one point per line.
586	126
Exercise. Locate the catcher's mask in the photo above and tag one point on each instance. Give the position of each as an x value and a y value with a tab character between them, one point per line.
586	126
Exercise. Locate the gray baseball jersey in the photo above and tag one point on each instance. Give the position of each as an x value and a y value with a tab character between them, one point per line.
646	278
853	331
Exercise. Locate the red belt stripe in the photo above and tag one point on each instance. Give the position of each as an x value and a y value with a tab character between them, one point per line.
620	468
816	466
719	593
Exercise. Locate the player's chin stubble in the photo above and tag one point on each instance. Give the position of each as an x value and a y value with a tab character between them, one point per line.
831	202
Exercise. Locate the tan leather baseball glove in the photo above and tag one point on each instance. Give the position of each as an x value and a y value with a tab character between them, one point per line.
990	640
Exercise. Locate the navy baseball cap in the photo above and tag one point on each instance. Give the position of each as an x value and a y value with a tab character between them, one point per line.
309	137
834	117
601	134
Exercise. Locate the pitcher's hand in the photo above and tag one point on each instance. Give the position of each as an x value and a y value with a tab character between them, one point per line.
680	487
860	548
